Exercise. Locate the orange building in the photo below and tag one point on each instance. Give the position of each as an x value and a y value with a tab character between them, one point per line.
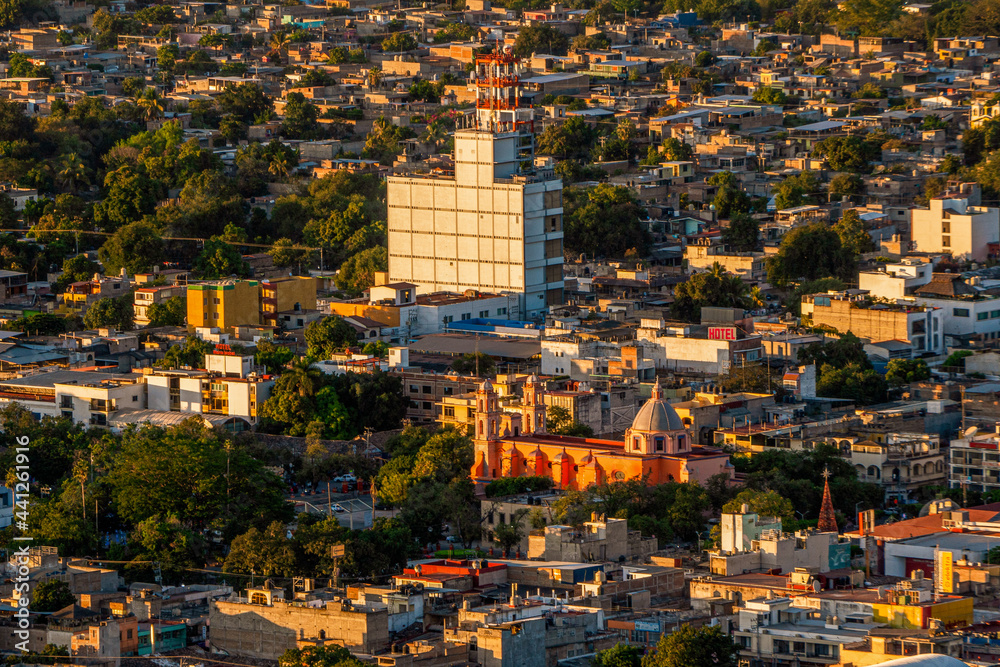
514	444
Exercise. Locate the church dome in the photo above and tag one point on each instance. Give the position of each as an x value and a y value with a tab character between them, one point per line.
657	415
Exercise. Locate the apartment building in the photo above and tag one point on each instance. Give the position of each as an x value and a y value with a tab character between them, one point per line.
974	461
13	285
969	309
425	393
703	254
230	386
223	304
705	348
404	313
875	320
955	226
900	463
264	625
81	295
148	296
281	296
495	225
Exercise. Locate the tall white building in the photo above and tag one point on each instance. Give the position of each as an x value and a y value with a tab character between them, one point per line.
495	225
954	225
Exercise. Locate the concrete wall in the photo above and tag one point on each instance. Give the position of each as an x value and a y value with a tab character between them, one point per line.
262	631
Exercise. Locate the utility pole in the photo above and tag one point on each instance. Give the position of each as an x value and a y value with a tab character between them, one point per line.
329	500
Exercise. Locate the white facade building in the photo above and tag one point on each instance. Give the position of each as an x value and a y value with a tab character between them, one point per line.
496	225
954	226
967	308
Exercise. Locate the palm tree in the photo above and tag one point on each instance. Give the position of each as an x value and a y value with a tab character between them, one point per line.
70	172
435	134
280	41
374	77
756	297
305	376
280	166
151	104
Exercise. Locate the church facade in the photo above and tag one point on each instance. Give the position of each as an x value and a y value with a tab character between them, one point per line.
513	442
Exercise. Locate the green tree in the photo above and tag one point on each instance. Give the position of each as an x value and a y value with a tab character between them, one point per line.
170	313
854	238
40	324
742	233
219	259
573	138
846	185
114	312
901	372
129	196
479	364
858	383
866	17
851	153
265	552
808	253
540	38
705	647
398	42
715	287
560	422
796	190
272	356
603	221
301	118
763	504
846	350
730	199
191	354
769	95
196	474
318	656
358	272
509	535
76	269
329	335
619	655
246	102
957	360
51	595
136	247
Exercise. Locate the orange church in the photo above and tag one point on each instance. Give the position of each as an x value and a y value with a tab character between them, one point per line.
514	444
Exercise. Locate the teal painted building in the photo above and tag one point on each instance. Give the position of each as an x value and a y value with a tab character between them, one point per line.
168	637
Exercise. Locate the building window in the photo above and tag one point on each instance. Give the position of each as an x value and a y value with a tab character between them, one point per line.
216	301
960	312
427	389
448	319
449	412
466	316
484	313
982	316
946	241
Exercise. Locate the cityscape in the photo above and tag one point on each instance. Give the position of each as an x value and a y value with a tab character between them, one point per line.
500	333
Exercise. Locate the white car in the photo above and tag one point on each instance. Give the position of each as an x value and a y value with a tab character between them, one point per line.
339	509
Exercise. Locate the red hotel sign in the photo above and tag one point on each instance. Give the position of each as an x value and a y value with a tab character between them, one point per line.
722	333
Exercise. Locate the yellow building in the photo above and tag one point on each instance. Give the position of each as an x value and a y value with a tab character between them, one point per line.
914	611
224	304
295	293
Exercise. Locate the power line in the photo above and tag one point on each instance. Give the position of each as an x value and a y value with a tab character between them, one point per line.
166	238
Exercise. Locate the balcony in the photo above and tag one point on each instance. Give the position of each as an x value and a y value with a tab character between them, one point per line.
102	405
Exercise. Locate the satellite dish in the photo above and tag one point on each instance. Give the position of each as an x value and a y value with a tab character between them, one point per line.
970	432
